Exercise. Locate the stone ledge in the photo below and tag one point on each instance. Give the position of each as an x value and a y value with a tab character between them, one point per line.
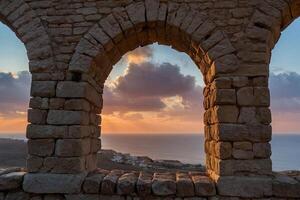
132	184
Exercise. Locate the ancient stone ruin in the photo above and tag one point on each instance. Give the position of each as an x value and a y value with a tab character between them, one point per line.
72	46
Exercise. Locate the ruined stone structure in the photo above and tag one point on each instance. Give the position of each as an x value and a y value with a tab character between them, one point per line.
72	46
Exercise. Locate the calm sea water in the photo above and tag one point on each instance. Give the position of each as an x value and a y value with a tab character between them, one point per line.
188	148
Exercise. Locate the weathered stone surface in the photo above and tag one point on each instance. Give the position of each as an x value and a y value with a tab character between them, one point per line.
70	165
163	184
92	183
238	167
41	147
184	185
78	90
245	96
53	183
63	117
203	186
54	197
109	183
126	184
262	150
20	195
144	184
11	181
72	147
46	132
36	116
250	187
82	197
43	88
284	186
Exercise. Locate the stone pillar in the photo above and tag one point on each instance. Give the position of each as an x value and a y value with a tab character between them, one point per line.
64	127
237	135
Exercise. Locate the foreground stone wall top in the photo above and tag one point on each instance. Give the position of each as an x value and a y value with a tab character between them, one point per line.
118	184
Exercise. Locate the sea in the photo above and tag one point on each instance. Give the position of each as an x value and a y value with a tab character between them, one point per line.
188	148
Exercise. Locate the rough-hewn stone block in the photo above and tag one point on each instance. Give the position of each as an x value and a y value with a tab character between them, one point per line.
41	147
11	181
53	183
63	117
43	88
249	187
72	147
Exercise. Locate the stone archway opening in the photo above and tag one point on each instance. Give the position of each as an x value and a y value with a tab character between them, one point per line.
154	92
284	85
15	80
185	30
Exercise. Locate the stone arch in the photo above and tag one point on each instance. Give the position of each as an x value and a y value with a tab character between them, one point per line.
28	27
174	24
139	24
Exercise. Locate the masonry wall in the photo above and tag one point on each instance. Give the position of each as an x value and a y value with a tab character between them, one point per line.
122	185
73	44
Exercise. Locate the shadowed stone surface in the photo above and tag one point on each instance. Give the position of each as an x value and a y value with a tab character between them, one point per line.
53	183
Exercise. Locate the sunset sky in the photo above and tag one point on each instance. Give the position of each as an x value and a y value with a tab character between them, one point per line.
167	100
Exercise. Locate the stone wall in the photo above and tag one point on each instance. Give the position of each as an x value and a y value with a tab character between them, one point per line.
73	44
122	185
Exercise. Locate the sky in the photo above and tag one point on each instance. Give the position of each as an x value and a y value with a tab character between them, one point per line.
153	89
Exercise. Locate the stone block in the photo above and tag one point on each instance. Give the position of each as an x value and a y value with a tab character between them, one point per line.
223	150
79	131
246	187
261	96
57	165
204	186
225	64
245	96
184	185
260	133
56	103
240	81
41	147
19	195
46	131
62	117
246	167
126	184
77	104
242	154
39	103
34	163
109	183
163	184
247	115
223	97
225	114
262	150
247	146
72	147
82	197
230	132
144	184
43	88
92	183
11	181
54	197
286	187
36	116
263	115
68	89
53	183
